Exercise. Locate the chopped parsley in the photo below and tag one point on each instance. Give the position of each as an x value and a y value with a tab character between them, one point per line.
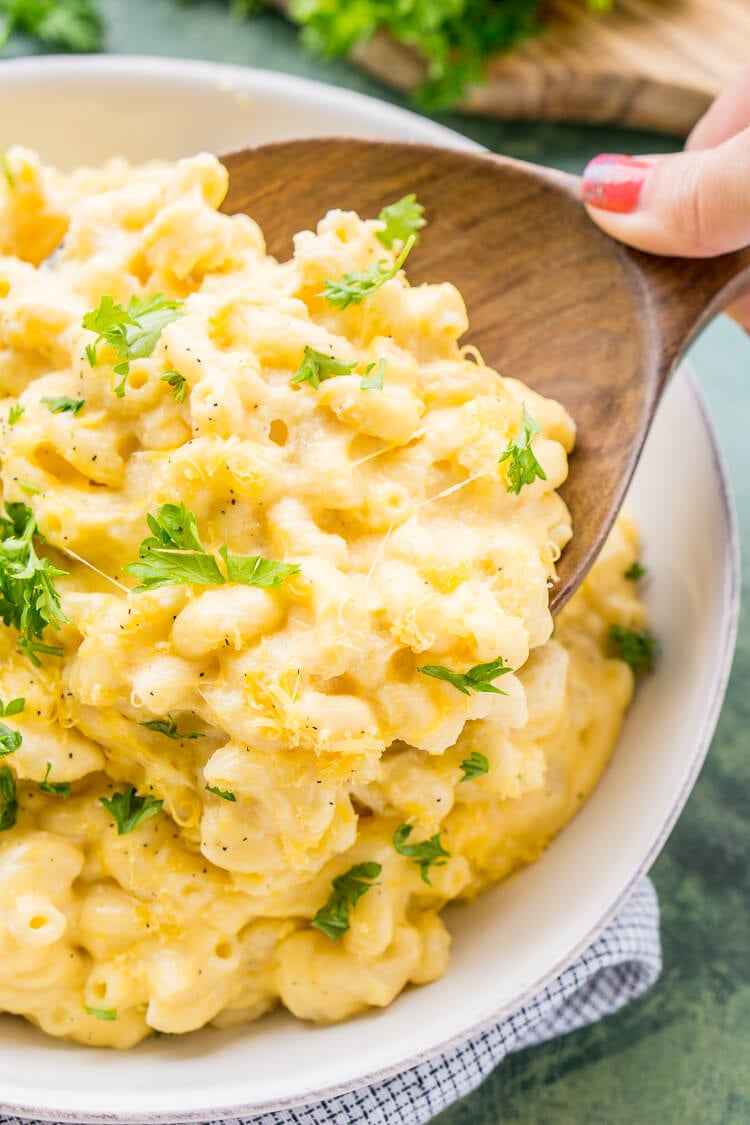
54	788
333	918
523	467
29	487
353	287
29	599
8	802
374	382
62	405
16	413
12	707
637	647
478	678
426	854
474	766
635	571
132	333
33	649
174	555
10	739
129	810
168	727
108	1014
402	219
225	794
316	367
177	383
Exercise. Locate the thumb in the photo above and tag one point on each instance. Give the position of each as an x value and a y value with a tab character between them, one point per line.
692	204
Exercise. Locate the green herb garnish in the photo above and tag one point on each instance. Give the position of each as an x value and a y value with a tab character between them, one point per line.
355	286
478	678
174	555
56	788
62	404
474	766
225	794
132	333
8	802
29	487
108	1014
29	599
333	918
5	167
402	219
168	727
523	467
374	382
16	413
129	810
427	854
10	739
33	649
637	647
316	367
177	383
635	571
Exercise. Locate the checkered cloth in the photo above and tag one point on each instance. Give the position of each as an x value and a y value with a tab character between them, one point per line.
620	965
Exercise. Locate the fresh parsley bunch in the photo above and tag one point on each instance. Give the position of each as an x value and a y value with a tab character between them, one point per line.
64	25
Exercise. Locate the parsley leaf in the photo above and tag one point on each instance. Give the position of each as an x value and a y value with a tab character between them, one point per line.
10	739
29	600
129	810
316	367
12	707
374	382
102	1013
478	678
63	404
523	467
353	287
474	766
402	219
132	333
637	647
225	794
177	383
635	571
174	555
55	788
8	802
16	413
333	918
254	570
29	487
427	854
168	727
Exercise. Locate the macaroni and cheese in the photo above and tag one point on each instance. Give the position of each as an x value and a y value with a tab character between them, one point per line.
279	678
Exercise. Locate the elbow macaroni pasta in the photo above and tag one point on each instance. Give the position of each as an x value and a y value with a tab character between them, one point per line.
311	710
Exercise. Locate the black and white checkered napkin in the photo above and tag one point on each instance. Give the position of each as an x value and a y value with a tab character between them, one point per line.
620	965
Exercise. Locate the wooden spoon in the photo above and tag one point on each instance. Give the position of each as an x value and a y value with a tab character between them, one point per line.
551	299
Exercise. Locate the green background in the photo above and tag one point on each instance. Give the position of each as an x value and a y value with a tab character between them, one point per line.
680	1054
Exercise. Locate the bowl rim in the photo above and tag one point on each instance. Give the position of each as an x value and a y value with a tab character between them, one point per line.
114	68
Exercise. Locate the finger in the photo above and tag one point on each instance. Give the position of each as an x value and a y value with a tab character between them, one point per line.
690	204
728	115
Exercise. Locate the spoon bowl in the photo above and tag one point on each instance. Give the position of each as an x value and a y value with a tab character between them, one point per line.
552	300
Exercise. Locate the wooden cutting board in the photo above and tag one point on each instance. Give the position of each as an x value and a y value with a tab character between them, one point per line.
649	64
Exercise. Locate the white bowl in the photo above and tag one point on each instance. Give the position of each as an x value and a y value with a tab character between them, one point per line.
510	942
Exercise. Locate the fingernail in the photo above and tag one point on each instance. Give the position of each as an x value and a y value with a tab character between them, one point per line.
613	182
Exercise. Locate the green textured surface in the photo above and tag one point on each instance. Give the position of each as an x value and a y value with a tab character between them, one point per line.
681	1054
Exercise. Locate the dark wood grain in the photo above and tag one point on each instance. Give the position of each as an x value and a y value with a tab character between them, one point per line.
552	301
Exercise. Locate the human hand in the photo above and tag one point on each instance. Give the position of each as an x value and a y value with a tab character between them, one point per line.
691	204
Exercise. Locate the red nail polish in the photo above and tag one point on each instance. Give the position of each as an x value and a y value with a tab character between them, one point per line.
613	182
